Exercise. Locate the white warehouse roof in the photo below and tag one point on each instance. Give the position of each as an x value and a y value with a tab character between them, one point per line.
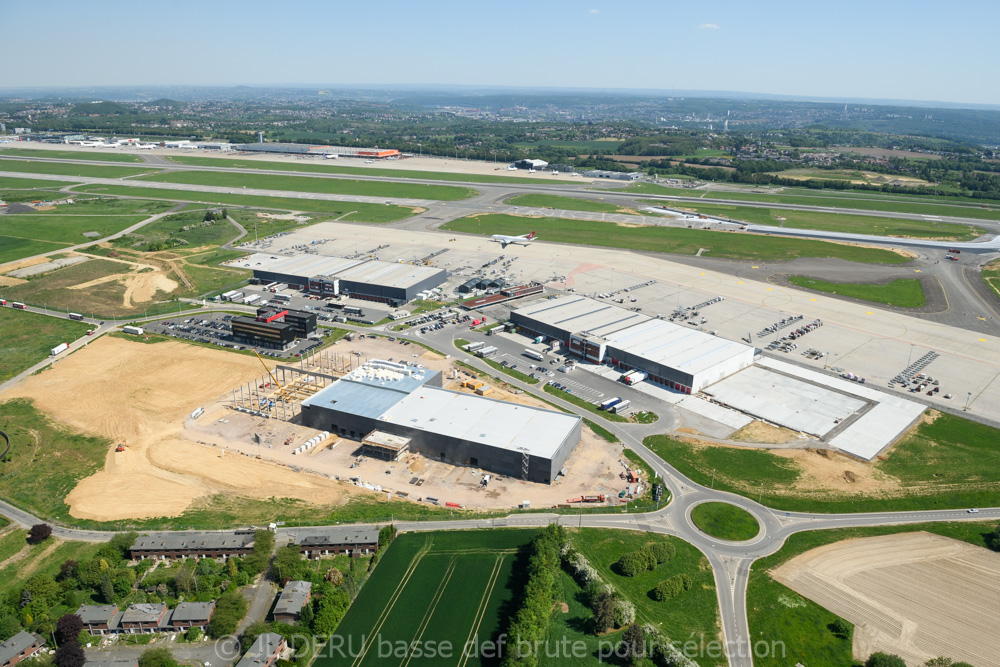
370	271
671	345
484	420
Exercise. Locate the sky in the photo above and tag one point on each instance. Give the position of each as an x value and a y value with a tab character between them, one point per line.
872	49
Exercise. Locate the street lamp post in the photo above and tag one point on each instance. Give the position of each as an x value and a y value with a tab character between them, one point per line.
968	398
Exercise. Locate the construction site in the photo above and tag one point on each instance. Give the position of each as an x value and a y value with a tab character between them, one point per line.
184	433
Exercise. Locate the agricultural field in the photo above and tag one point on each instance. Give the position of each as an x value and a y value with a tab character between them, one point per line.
317	168
99	156
26	234
776	613
902	293
725	521
567	203
835	222
70	169
440	590
29	337
339	186
944	462
348	211
852	176
670	240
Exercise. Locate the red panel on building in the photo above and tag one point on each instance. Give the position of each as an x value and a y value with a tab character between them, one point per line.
271	318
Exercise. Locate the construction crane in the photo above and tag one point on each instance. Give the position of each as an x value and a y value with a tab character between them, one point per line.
271	375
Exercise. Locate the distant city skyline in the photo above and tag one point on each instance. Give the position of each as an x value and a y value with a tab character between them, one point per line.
889	50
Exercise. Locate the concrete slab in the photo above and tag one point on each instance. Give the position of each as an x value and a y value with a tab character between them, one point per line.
788	401
717	413
875	430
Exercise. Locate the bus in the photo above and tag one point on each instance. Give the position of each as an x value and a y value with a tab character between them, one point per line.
75	316
19	305
282	297
353	310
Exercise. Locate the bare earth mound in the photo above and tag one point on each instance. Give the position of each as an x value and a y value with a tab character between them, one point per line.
914	594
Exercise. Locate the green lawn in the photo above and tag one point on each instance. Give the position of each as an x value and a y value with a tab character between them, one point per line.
29	337
655	189
441	588
991	276
340	186
571	627
108	155
567	203
70	169
865	201
24	183
725	521
347	211
325	168
903	293
692	615
730	245
836	222
41	560
46	460
948	464
50	289
26	234
781	617
12	542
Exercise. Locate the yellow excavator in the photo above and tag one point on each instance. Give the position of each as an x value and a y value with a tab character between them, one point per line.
283	395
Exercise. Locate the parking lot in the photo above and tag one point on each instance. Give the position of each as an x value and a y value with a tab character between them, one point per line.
214	329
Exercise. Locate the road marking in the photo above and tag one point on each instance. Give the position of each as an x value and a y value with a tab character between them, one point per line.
868	312
982	340
916	270
740	282
770	289
754	267
811	299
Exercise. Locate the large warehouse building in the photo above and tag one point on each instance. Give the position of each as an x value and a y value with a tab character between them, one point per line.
506	438
368	279
675	356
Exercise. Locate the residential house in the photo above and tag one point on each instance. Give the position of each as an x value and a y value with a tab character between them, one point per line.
264	652
19	647
293	598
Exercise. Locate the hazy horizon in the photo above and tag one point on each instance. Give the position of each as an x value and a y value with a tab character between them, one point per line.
889	52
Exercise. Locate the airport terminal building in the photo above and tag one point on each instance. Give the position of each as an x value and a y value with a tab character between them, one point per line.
368	279
520	441
674	356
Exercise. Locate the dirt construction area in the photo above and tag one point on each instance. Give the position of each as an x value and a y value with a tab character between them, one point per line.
917	595
143	395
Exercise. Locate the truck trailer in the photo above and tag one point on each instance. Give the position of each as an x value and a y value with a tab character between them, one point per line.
486	352
634	377
472	347
531	354
61	347
619	408
135	331
610	403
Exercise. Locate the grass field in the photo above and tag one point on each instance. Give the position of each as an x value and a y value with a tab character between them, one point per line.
340	186
45	462
69	169
691	616
991	276
440	590
865	201
670	240
903	293
102	156
10	183
725	521
778	614
567	203
27	234
836	222
948	464
29	337
326	168
347	211
50	289
44	558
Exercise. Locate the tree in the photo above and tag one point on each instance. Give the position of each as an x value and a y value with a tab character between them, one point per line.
70	654
68	628
386	535
993	539
39	533
107	589
307	616
156	657
193	634
232	569
841	628
671	588
335	576
9	624
604	613
884	660
253	631
633	648
229	610
661	551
